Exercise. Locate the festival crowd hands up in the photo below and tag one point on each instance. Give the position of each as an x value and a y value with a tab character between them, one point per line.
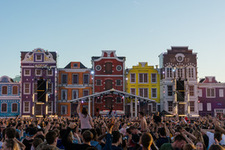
83	132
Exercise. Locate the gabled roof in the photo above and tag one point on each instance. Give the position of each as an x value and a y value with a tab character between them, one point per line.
114	91
81	66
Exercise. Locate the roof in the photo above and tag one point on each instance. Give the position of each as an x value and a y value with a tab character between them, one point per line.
81	66
97	57
114	91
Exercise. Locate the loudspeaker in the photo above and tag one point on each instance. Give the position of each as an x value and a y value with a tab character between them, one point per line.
41	85
180	85
180	90
41	90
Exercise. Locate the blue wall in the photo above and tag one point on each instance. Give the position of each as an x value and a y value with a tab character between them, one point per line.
9	112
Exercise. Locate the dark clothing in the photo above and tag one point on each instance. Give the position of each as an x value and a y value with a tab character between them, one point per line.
28	143
160	141
157	119
72	146
108	143
166	146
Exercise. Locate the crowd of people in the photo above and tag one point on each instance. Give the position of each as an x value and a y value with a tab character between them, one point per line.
147	132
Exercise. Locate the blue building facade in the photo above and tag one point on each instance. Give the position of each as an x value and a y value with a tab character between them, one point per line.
9	97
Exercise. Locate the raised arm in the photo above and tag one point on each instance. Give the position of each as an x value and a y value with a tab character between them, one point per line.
216	123
78	108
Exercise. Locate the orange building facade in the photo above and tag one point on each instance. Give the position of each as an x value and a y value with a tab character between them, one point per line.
74	81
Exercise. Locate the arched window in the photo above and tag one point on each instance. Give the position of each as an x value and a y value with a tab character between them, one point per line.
4	107
15	90
4	90
14	107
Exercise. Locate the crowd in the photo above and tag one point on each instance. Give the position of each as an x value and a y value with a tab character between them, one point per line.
147	132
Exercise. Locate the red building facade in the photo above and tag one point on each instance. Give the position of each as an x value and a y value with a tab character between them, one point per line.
109	73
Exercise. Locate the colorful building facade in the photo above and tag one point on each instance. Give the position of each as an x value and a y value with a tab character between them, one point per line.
75	80
36	65
178	85
144	80
211	97
109	73
9	97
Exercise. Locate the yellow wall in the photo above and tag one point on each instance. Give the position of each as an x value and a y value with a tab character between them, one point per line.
143	69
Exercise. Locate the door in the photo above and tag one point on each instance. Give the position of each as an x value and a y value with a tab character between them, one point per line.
181	109
108	84
108	102
38	109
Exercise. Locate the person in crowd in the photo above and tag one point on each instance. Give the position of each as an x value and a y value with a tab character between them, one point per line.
146	141
87	136
178	143
85	118
143	123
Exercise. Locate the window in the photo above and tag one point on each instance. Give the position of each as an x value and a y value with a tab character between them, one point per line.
50	87
38	72
143	92
191	72
150	108
98	82
118	67
15	90
169	72
143	78
132	78
154	77
154	93
180	72
75	79
210	92
4	108
200	106
26	107
50	107
63	94
118	99
169	90
75	65
98	68
38	57
99	99
133	91
221	93
14	107
75	94
200	92
64	78
49	72
192	106
154	107
170	106
26	88
191	90
63	109
209	108
85	92
118	82
108	68
26	72
4	90
86	79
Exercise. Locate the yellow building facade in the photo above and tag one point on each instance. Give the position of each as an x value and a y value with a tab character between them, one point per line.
144	80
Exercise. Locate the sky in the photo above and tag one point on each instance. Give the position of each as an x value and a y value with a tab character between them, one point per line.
140	30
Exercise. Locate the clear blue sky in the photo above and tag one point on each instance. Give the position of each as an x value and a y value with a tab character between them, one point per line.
138	29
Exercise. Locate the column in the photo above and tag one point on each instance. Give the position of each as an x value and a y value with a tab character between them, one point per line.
131	108
89	105
136	106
